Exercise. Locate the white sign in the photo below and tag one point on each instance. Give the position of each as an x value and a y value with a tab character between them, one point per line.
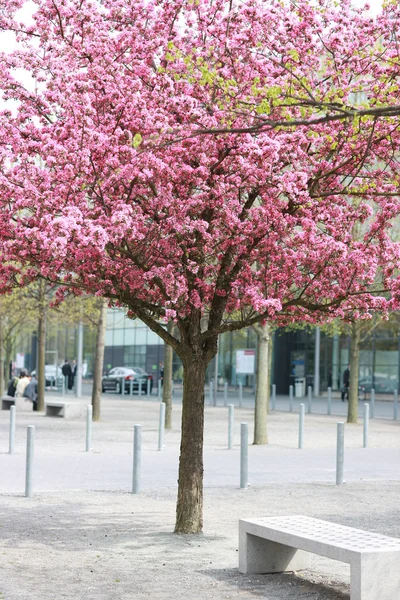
20	362
245	362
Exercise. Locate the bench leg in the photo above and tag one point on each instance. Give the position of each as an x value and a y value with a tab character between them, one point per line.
375	577
257	555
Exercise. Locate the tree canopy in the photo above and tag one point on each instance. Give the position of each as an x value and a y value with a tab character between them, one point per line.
192	159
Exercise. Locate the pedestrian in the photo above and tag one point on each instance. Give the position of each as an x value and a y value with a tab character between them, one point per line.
12	386
346	383
31	392
74	369
22	383
67	374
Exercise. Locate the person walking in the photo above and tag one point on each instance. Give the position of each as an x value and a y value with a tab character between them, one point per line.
67	374
74	369
346	383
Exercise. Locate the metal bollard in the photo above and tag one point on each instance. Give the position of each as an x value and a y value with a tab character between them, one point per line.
89	415
366	424
11	443
137	458
231	418
340	453
225	393
244	455
161	427
302	409
240	394
30	447
210	393
290	398
372	403
148	387
131	388
329	400
140	387
273	400
395	405
172	388
309	409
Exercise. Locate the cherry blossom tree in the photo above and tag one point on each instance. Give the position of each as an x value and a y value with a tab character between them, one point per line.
190	160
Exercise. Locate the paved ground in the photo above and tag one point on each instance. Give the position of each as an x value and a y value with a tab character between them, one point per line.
85	536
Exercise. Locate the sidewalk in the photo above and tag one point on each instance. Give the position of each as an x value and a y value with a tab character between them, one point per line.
85	536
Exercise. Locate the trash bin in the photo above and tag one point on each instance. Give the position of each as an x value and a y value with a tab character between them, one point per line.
300	387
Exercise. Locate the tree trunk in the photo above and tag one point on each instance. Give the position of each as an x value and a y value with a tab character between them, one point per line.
41	346
262	387
9	350
2	383
98	361
352	413
167	379
189	509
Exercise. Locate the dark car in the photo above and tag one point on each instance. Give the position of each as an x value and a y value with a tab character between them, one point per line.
382	385
121	379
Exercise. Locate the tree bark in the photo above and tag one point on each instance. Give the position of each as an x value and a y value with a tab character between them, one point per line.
167	379
41	345
352	413
98	362
262	387
2	382
189	509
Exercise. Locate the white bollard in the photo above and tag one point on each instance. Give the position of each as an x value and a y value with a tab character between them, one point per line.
231	418
366	424
290	398
340	454
329	400
309	410
225	393
137	458
161	427
395	405
244	455
131	388
302	410
273	400
30	448
210	393
89	415
372	403
11	444
148	388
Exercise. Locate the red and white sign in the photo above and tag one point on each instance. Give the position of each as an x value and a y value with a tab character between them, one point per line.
245	362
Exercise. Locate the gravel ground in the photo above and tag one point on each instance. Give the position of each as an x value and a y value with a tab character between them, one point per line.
111	545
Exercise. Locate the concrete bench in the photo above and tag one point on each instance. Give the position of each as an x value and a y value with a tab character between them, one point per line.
7	402
278	544
66	410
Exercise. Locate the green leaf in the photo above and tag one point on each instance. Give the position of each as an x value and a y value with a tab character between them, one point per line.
137	140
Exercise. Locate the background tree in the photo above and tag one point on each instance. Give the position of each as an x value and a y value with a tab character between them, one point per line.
167	378
92	312
17	315
170	147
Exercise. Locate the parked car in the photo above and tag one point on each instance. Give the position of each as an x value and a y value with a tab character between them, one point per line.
121	379
52	373
382	385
